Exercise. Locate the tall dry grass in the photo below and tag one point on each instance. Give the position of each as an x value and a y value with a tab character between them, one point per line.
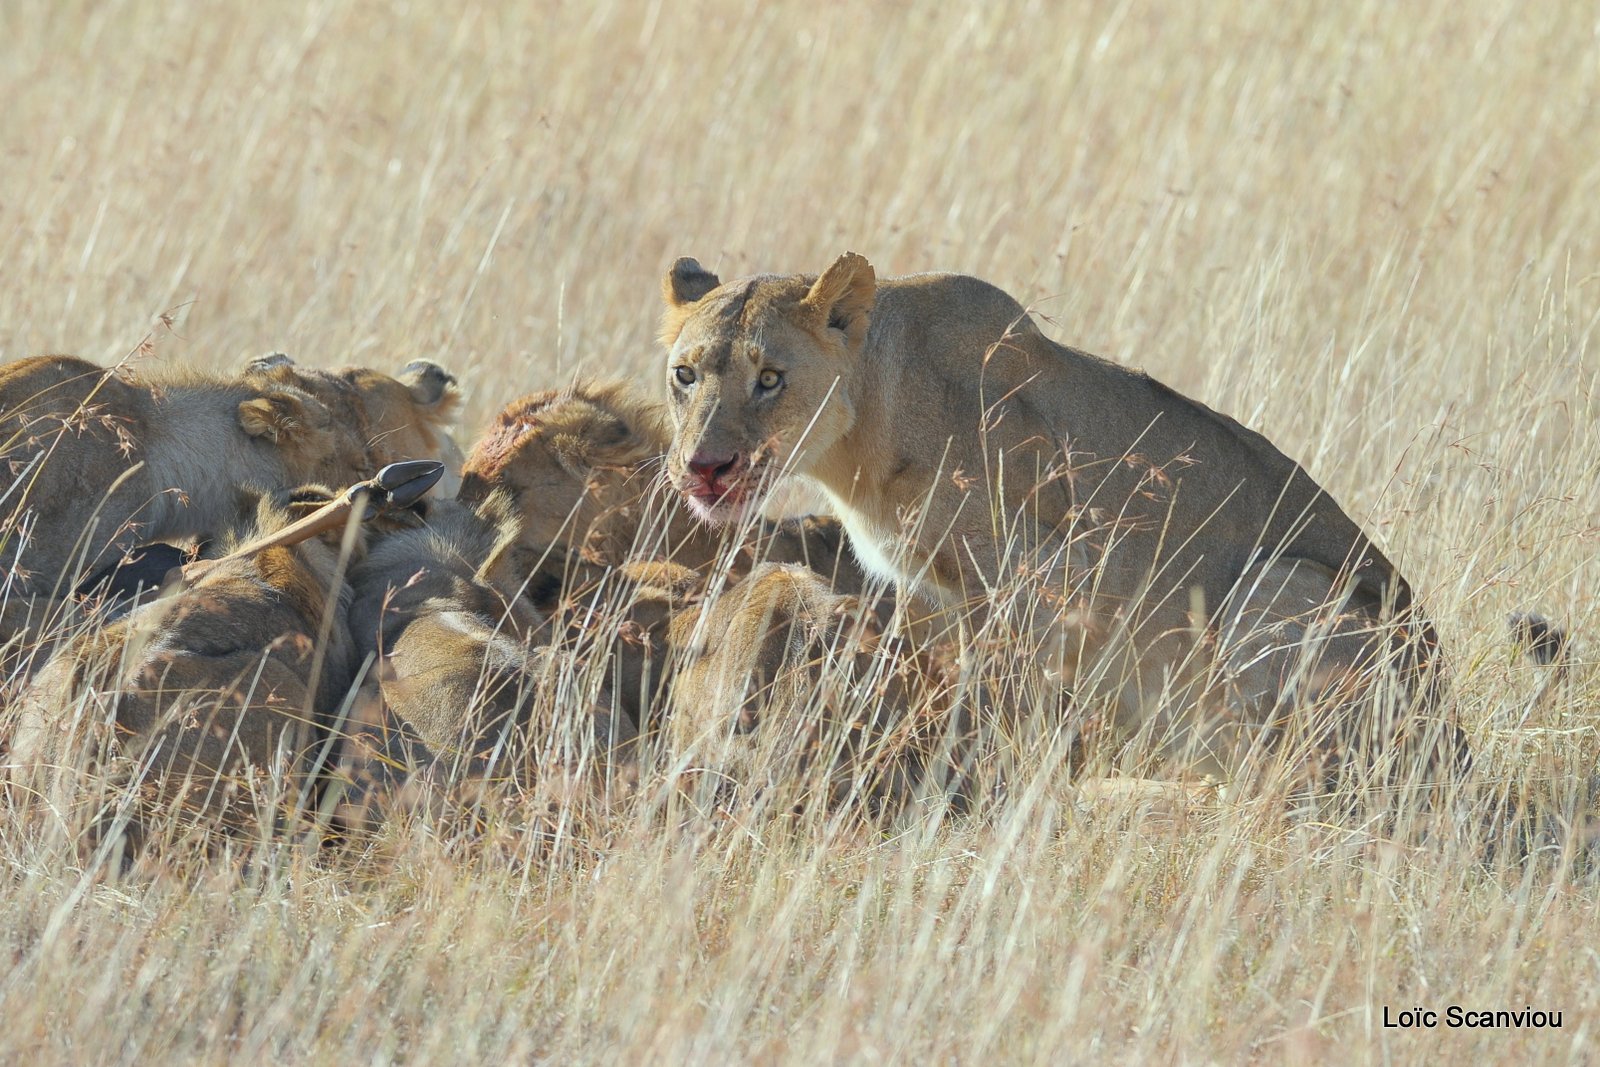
1369	231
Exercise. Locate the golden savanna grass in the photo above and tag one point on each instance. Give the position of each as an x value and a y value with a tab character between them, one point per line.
1371	231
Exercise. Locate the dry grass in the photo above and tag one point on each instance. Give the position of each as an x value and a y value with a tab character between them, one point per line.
1370	231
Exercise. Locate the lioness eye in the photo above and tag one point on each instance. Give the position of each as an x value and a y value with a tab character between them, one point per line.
685	375
770	379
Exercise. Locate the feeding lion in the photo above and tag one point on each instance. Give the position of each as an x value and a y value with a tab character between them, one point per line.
101	461
207	708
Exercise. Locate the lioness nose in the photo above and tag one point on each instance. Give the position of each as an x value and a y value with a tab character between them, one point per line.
711	467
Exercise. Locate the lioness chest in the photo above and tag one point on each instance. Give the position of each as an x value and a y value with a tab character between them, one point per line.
885	553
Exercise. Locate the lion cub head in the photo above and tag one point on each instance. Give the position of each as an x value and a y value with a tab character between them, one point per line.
754	371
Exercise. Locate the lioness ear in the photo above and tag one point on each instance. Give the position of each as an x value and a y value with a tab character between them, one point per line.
842	298
430	384
274	417
267	362
687	282
684	284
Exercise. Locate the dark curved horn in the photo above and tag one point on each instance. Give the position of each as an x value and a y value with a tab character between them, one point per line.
400	485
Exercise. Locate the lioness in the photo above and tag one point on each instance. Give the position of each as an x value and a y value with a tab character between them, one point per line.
188	709
100	460
1187	574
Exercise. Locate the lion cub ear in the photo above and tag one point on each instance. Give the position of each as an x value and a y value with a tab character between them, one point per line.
274	417
842	298
684	284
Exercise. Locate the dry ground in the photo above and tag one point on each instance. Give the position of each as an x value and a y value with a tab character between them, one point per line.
1370	230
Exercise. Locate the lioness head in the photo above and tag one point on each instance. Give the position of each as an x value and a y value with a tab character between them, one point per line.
360	419
578	466
754	371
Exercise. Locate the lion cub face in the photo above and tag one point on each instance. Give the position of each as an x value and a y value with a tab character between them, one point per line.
758	372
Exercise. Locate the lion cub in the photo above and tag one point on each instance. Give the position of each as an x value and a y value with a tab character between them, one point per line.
204	709
101	461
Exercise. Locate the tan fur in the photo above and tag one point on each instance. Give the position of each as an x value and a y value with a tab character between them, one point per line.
789	692
409	416
461	696
199	698
107	460
582	470
965	451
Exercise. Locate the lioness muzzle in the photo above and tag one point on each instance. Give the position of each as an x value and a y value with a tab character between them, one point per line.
399	485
